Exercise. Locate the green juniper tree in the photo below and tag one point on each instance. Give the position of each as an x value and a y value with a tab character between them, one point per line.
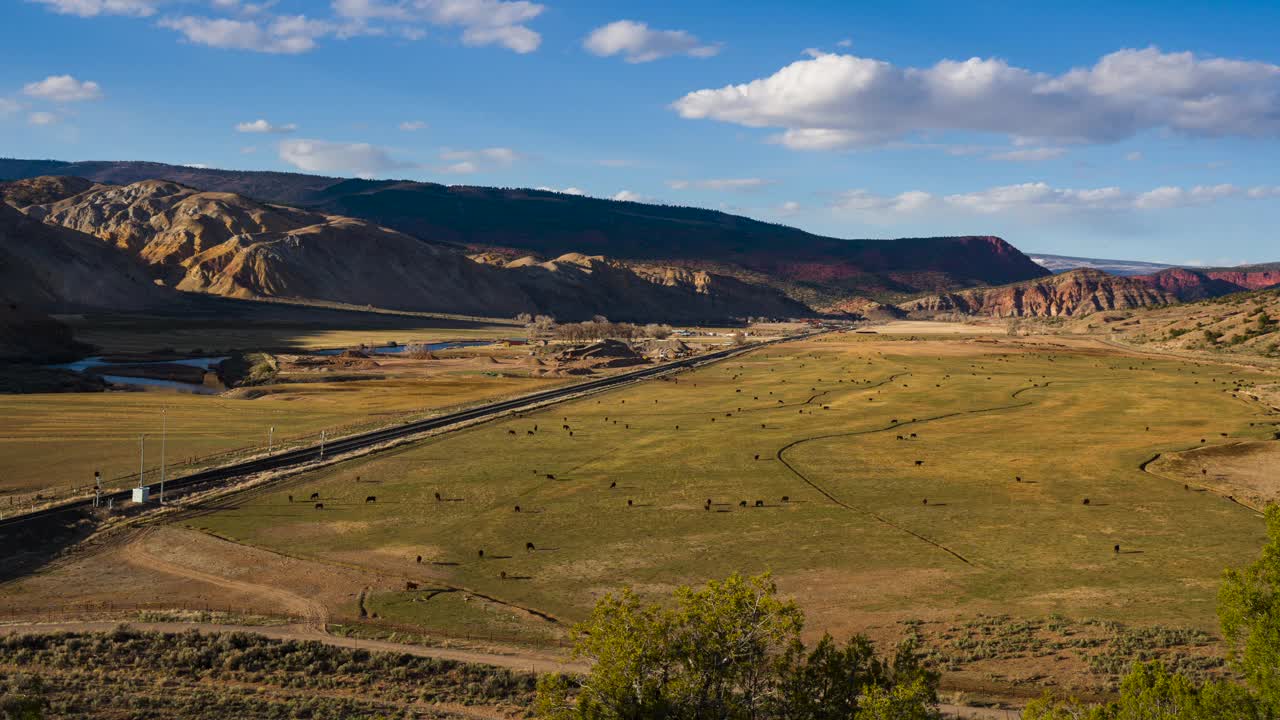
729	651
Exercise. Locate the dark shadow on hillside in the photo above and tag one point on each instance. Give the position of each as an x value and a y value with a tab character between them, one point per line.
30	545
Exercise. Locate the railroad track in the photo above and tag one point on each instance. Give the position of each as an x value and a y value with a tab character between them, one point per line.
213	477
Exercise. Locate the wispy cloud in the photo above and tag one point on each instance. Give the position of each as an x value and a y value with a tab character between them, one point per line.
1040	198
360	159
720	184
636	42
263	126
466	162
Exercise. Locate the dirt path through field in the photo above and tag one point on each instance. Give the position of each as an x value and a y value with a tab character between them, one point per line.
135	553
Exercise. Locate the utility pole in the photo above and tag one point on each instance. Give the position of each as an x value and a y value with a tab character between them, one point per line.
97	488
164	434
271	431
142	458
321	444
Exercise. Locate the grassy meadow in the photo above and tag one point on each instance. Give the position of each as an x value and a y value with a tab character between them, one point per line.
981	511
52	442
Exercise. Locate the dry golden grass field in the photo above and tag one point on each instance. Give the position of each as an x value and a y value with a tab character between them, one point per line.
968	489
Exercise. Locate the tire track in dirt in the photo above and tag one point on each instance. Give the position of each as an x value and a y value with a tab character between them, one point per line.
1145	467
135	554
869	512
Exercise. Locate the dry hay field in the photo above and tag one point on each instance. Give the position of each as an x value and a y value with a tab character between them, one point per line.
51	443
932	487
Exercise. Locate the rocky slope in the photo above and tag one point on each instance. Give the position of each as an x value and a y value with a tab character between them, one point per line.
1187	284
814	269
1246	324
225	244
1077	292
48	268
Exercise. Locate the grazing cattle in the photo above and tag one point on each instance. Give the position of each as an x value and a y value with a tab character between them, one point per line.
613	484
759	503
630	503
550	476
357	478
419	559
480	554
786	498
1204	471
924	501
290	498
319	506
315	496
1018	478
371	499
1117	549
564	427
1086	501
913	434
511	432
528	432
528	547
919	463
706	507
757	456
438	498
742	503
517	508
410	585
901	438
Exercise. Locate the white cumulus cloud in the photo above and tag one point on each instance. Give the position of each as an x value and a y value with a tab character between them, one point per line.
412	125
629	196
63	88
262	126
839	100
638	43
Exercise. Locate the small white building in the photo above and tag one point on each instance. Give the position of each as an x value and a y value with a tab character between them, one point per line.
141	494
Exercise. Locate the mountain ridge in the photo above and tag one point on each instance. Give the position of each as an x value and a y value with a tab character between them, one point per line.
813	269
224	244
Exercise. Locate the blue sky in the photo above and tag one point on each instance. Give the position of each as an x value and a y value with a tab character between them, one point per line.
1137	130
